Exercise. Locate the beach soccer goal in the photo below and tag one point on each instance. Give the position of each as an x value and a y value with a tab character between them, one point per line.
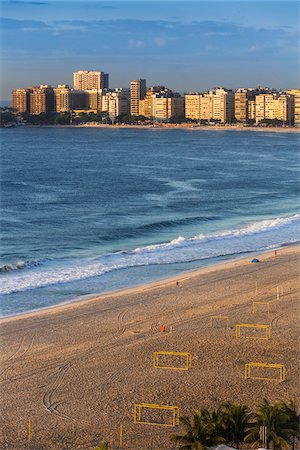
253	327
160	415
218	319
265	306
172	360
265	369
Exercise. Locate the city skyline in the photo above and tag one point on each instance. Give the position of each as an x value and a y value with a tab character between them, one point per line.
190	46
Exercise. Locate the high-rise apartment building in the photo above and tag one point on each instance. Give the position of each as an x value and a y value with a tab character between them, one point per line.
222	105
153	105
193	105
85	79
137	93
20	100
164	108
94	98
62	98
284	108
241	105
206	111
145	105
260	109
116	102
251	110
41	99
273	106
295	105
217	104
244	108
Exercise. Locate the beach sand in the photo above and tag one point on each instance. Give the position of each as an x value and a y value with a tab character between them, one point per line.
77	370
182	126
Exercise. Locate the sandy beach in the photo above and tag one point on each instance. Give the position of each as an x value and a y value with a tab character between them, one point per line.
76	371
183	126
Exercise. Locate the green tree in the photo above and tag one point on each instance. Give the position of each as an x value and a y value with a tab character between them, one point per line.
236	422
62	118
281	425
7	117
201	432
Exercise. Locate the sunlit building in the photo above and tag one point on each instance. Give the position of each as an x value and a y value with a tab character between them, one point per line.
295	105
161	103
85	79
116	102
137	93
222	105
62	98
20	100
193	105
41	99
274	106
94	98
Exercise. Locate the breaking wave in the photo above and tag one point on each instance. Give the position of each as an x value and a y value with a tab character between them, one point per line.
257	236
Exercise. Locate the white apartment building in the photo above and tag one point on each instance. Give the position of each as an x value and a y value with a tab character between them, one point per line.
116	102
222	105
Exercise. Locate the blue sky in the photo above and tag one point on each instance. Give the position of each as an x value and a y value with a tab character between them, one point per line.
185	45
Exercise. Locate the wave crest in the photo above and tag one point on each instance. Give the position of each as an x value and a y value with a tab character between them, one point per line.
254	237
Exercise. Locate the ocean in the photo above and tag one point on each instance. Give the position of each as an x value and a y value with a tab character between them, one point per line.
88	210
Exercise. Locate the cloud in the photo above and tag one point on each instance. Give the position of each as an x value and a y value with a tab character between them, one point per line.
219	33
19	2
135	43
157	38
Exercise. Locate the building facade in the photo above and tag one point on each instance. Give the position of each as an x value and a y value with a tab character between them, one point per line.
193	106
161	103
84	80
42	100
222	105
116	102
62	98
274	106
137	93
66	99
164	108
241	105
94	99
20	100
295	105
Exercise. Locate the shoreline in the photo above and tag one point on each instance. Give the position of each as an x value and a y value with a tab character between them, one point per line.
81	301
172	127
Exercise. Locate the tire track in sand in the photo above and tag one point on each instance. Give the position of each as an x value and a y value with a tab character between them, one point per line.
48	401
23	348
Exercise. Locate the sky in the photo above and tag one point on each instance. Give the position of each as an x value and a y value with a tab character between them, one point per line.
184	45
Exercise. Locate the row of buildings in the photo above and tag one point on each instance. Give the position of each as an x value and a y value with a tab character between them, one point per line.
91	93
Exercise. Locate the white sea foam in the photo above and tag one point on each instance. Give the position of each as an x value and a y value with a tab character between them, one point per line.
253	237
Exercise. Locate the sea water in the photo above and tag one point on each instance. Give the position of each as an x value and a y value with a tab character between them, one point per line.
87	210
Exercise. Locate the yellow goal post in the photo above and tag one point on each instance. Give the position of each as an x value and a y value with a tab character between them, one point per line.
280	367
174	410
187	360
265	304
225	319
267	329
